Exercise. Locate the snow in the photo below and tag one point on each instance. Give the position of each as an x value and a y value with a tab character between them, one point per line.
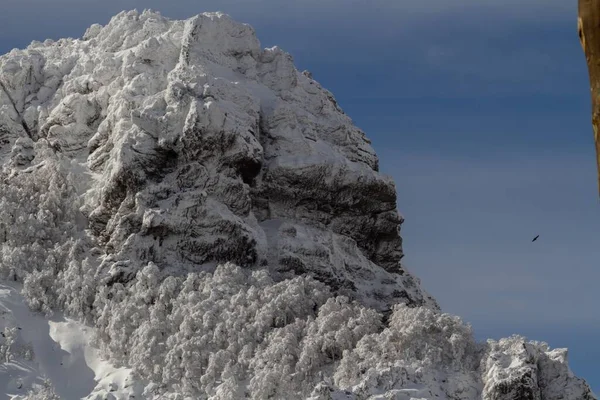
222	228
61	352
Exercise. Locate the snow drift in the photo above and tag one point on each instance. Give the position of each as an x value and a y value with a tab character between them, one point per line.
222	225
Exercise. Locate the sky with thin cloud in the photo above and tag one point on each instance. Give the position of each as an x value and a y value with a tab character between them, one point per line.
480	111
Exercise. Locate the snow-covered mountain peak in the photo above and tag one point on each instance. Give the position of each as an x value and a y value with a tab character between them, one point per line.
223	226
200	147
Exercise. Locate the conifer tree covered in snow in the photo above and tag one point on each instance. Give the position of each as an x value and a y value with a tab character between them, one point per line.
42	392
216	219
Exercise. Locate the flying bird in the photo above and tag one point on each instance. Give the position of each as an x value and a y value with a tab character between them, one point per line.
535	238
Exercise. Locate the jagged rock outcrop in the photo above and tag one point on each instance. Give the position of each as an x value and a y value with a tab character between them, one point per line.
199	147
518	369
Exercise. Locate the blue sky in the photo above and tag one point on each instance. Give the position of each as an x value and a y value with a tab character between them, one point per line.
479	110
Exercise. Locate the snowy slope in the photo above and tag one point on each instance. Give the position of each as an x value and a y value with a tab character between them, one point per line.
213	223
54	349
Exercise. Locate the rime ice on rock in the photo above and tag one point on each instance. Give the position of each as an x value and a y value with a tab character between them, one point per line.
205	148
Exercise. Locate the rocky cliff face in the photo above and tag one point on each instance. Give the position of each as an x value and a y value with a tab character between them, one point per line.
189	146
199	147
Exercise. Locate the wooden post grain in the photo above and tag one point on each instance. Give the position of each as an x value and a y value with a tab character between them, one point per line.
588	25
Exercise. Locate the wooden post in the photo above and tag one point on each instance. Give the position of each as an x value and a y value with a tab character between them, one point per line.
588	25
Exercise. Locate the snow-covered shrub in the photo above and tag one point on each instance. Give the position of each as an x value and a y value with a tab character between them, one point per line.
39	210
8	344
204	331
13	347
415	338
236	333
77	287
338	327
45	391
